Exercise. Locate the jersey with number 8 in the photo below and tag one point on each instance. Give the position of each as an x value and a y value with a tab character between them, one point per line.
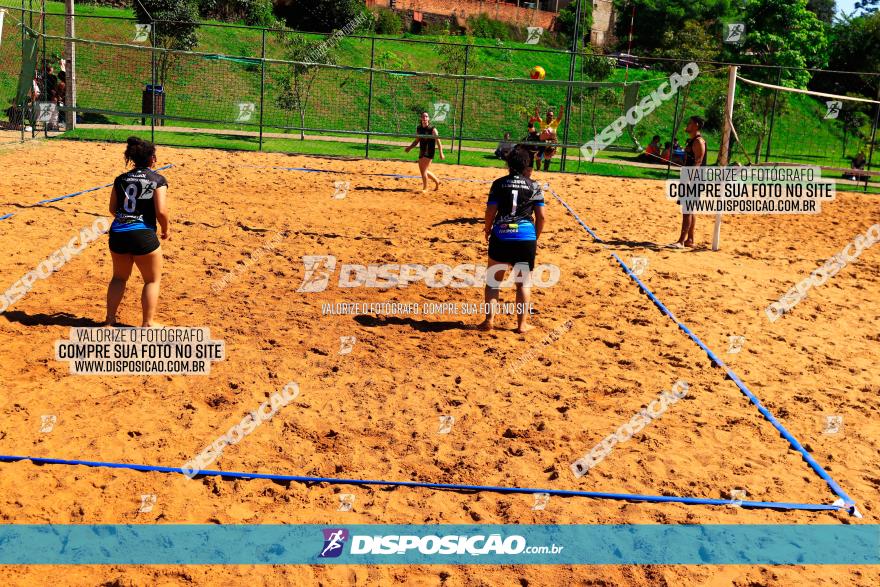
135	208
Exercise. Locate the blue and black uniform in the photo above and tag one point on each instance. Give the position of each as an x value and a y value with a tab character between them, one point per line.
426	146
133	231
514	239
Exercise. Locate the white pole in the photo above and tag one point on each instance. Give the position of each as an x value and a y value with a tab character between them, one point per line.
724	151
70	49
2	13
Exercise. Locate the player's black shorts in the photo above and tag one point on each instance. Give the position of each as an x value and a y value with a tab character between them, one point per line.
513	252
134	242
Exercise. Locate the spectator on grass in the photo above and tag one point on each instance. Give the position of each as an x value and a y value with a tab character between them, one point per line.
858	163
504	147
13	113
652	152
667	151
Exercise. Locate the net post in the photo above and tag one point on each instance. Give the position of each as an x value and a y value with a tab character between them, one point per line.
571	69
467	54
70	97
873	136
724	152
773	115
45	76
674	132
262	85
370	96
153	81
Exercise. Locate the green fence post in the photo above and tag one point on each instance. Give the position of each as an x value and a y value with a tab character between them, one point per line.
674	132
571	68
44	75
773	116
370	98
153	81
467	54
873	136
262	86
24	102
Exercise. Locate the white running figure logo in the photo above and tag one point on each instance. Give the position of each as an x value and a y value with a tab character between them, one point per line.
335	542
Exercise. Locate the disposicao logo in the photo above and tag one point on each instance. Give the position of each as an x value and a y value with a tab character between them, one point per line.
334	542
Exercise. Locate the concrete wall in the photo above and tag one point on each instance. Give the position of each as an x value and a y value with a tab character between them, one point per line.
602	33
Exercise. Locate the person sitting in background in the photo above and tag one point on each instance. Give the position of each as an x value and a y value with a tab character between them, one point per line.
504	147
667	151
13	113
652	151
858	163
677	153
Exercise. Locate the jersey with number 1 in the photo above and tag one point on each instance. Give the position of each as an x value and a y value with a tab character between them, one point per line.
135	208
516	197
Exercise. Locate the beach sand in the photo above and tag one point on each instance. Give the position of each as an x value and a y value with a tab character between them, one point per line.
524	406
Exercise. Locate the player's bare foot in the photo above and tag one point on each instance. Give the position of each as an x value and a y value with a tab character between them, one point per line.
153	325
689	243
486	325
436	184
524	328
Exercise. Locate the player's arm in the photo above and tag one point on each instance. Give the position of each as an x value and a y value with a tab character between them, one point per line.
491	211
439	144
539	221
412	144
113	201
699	151
161	203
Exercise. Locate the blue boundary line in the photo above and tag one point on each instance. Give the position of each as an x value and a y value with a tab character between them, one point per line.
426	484
848	503
73	195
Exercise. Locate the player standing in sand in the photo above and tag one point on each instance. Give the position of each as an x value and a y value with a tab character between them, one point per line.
514	222
694	156
426	150
138	201
549	135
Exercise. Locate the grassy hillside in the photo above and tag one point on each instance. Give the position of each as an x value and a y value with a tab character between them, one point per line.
206	92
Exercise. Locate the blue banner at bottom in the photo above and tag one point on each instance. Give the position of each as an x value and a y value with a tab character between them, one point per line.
362	544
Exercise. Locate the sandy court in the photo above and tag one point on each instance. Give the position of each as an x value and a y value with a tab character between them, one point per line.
374	413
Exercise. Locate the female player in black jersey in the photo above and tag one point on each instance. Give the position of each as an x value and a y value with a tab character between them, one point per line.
138	201
426	150
695	155
514	222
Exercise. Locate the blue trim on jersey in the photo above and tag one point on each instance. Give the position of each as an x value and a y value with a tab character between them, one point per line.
128	227
523	230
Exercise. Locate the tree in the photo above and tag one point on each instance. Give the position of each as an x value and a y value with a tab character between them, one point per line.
823	9
785	33
176	22
656	18
855	46
694	42
566	17
867	6
321	16
299	78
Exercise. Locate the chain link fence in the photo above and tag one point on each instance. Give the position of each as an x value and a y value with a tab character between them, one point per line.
239	89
